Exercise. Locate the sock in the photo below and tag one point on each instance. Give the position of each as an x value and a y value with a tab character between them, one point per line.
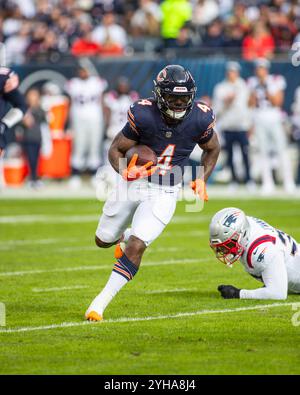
123	271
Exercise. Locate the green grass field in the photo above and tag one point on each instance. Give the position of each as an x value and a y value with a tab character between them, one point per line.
50	270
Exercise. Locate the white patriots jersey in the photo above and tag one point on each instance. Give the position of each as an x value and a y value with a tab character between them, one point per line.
86	95
263	245
118	106
273	84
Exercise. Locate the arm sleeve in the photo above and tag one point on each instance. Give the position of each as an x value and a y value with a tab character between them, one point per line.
274	277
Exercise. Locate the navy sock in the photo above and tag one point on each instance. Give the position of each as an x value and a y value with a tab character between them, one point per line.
125	268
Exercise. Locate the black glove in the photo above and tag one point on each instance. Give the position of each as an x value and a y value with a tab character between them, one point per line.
3	128
229	291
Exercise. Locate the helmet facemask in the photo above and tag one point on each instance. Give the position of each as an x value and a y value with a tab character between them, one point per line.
174	105
230	250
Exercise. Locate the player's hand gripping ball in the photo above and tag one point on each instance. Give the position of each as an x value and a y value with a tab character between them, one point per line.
142	163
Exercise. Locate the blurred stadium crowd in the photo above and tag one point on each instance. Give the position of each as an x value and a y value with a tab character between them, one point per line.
52	29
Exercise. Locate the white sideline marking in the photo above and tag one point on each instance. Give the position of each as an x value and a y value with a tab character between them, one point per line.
57	289
95	267
31	219
137	319
165	291
9	244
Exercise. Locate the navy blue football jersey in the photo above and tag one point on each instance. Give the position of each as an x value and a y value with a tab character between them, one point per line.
172	144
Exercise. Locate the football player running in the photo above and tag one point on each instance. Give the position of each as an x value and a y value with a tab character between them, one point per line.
268	254
171	123
9	97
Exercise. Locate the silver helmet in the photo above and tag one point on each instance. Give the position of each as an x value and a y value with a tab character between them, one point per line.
227	228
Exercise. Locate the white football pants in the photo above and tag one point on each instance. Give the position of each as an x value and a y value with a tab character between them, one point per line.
148	207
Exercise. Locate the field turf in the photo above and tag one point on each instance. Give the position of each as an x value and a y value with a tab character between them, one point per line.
50	270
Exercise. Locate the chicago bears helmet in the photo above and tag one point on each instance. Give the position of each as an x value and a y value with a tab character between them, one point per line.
174	91
226	230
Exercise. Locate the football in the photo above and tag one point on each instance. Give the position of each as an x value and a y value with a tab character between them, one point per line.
145	154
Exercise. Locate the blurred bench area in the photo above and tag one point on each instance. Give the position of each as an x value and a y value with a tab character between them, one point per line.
83	62
51	79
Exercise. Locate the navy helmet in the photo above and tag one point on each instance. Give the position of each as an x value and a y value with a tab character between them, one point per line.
174	91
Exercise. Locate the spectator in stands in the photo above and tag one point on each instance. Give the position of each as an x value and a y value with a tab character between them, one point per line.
31	136
239	18
17	44
49	48
236	27
66	28
184	41
283	29
214	37
12	22
86	118
159	20
84	45
111	36
204	12
259	43
266	99
296	127
230	103
146	19
175	14
233	39
37	39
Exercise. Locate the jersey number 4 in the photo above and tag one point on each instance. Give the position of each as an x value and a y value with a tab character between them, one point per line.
165	159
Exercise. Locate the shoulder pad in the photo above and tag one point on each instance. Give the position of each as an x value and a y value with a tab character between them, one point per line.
257	251
139	114
207	117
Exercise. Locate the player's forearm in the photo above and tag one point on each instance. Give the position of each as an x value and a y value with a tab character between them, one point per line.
117	150
263	293
211	151
208	161
115	157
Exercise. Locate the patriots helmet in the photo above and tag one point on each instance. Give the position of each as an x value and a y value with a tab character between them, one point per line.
174	91
226	230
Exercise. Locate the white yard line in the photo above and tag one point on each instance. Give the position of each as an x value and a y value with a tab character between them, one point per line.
57	289
102	267
165	291
10	244
32	219
140	319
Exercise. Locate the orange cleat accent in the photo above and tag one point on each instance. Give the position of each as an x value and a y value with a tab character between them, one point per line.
118	251
94	317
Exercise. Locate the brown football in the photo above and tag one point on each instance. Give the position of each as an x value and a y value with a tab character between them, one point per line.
145	154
